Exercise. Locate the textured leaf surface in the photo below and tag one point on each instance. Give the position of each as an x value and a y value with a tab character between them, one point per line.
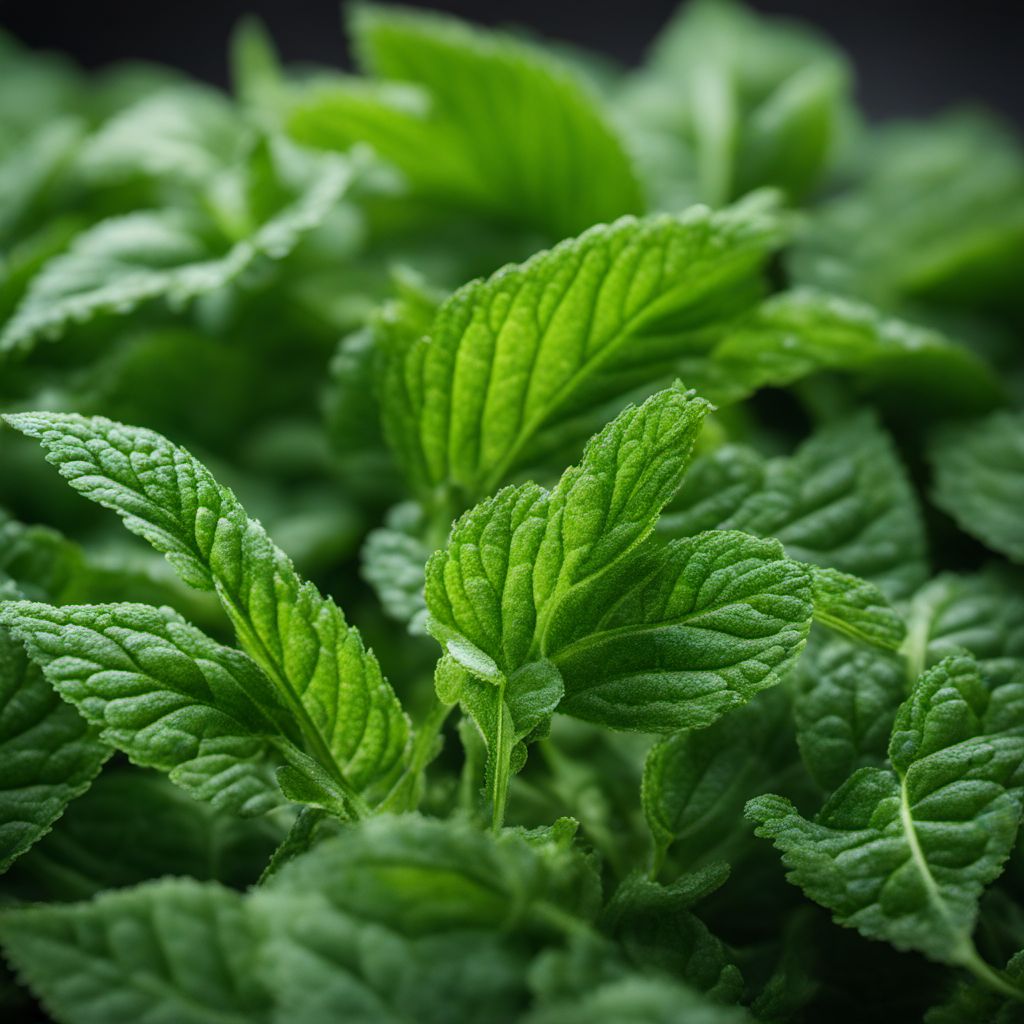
407	918
483	121
843	501
165	694
706	625
979	480
903	854
653	638
172	952
48	753
845	705
696	782
349	715
505	355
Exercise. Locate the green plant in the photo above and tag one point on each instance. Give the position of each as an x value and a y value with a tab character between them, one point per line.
681	672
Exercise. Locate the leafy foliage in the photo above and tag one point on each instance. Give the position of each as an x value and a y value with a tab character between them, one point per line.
658	431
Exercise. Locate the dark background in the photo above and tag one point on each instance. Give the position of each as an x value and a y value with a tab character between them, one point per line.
912	57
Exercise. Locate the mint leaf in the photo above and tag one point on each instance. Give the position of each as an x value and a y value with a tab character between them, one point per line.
172	255
799	333
983	613
843	501
642	636
979	479
696	781
639	1000
925	218
48	753
903	854
856	608
706	624
186	134
748	100
173	950
133	826
481	120
505	356
845	704
165	694
350	719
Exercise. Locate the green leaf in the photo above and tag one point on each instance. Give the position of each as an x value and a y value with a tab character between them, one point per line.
845	704
843	501
407	918
927	219
799	333
170	255
165	694
979	1004
979	479
133	826
903	854
639	1000
716	487
393	558
696	782
748	100
983	613
506	356
856	608
700	628
479	120
172	951
645	637
48	753
350	719
186	134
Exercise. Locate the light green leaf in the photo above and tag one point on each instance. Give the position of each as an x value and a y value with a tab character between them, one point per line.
856	608
350	719
171	952
170	255
903	854
927	219
506	356
48	753
186	134
701	627
476	120
979	479
746	100
638	999
393	560
645	637
165	694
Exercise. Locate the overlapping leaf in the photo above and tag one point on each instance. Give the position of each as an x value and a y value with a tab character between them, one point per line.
476	120
350	720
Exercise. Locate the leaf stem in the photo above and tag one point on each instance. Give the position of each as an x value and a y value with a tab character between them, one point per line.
989	976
